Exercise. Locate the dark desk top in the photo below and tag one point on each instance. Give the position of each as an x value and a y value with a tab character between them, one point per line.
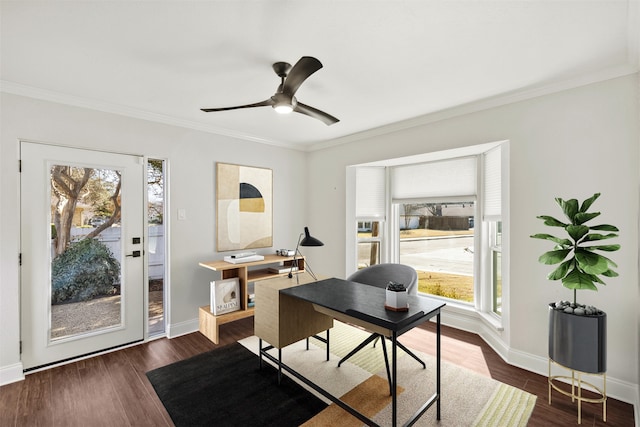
365	302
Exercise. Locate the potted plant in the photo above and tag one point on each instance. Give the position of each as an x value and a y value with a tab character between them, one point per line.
577	333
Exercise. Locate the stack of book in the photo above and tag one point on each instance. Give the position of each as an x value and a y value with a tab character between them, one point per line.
243	257
282	269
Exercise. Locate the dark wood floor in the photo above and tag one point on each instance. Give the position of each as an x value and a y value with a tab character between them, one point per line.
112	389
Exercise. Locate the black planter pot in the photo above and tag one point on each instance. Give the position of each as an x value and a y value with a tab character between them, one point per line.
578	342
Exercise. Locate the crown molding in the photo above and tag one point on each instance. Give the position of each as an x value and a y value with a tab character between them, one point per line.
460	110
106	107
484	104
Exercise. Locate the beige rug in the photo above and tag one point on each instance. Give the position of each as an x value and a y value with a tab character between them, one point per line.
468	398
344	338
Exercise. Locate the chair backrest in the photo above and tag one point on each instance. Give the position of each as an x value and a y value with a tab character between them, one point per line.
381	274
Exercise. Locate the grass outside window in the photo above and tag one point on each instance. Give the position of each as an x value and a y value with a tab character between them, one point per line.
447	285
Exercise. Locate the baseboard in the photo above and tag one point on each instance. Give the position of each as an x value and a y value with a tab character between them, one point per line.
183	328
463	319
616	388
469	321
11	374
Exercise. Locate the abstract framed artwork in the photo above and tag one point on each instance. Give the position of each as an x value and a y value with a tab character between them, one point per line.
244	207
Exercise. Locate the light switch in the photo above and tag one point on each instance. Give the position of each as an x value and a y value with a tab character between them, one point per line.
182	214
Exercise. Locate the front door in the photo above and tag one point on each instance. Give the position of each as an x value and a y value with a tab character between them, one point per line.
82	275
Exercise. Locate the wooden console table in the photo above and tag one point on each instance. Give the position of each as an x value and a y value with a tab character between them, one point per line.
246	273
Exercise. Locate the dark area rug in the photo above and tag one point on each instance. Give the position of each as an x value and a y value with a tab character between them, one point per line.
225	387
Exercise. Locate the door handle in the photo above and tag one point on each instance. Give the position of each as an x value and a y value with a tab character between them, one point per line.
135	254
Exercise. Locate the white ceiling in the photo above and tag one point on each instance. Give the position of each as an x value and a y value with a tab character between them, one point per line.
384	61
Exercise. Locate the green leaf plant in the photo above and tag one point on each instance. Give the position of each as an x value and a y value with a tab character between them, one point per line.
580	264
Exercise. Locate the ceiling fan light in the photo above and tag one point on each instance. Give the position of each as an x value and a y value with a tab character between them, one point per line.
283	108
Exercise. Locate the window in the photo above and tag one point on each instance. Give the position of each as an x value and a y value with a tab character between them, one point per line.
156	246
492	217
437	239
442	215
435	236
370	214
495	234
369	243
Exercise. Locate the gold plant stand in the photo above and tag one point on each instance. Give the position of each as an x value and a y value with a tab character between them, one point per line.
577	386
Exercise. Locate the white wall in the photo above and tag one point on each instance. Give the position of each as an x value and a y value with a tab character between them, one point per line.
191	157
569	144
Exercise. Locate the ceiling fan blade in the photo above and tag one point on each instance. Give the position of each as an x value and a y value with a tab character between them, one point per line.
327	119
306	66
267	103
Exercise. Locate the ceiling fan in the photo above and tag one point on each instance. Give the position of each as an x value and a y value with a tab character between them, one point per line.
284	101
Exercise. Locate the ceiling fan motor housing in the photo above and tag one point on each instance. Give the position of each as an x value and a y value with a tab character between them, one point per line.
281	69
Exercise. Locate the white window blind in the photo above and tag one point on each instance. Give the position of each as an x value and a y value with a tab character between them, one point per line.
492	184
370	193
446	178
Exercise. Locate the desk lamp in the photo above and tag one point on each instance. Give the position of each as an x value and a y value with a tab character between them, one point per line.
308	240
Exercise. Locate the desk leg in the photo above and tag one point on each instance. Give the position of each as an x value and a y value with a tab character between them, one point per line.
279	366
386	362
326	341
394	379
327	345
438	365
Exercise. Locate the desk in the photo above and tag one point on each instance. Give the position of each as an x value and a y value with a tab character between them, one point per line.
364	305
281	320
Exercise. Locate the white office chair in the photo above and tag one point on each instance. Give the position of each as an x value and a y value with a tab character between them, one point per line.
380	275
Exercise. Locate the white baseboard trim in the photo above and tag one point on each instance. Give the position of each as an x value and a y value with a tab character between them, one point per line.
469	321
11	374
616	388
14	373
175	330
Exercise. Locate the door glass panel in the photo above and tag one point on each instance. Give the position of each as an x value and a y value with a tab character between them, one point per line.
86	250
156	245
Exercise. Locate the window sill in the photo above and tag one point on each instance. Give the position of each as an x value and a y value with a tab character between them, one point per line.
492	321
